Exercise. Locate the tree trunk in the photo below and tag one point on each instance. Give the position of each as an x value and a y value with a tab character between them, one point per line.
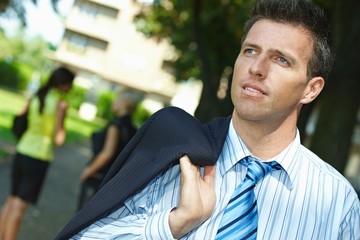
333	135
209	106
340	101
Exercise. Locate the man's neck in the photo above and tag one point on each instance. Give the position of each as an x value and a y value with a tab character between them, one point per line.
265	140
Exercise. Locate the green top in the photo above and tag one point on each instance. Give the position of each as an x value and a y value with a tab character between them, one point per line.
38	139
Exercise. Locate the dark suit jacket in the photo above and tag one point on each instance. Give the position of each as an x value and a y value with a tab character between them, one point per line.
166	136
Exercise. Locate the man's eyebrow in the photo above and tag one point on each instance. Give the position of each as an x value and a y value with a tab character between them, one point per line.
286	55
249	44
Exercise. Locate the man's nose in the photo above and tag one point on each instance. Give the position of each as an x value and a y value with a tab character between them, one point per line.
259	68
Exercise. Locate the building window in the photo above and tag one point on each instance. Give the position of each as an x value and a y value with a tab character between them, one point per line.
77	43
88	11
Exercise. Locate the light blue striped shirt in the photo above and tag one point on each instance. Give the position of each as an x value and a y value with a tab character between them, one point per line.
308	199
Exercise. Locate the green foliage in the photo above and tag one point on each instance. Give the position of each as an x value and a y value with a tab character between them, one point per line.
15	75
214	26
20	58
76	96
104	104
25	72
12	47
34	53
10	76
18	48
140	115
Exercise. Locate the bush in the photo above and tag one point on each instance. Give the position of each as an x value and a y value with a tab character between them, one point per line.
10	75
76	96
104	105
26	72
140	115
15	75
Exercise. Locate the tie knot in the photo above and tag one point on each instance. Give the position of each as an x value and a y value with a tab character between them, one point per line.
257	169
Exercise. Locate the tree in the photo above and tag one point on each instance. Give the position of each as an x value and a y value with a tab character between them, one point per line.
21	57
207	37
340	101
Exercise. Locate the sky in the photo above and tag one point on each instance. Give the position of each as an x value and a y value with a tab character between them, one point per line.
41	19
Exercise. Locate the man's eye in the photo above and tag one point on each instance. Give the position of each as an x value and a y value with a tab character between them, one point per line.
282	61
249	51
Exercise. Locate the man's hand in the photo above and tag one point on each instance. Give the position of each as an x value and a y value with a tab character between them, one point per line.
197	198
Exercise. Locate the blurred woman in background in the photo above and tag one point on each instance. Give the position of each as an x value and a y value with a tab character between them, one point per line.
35	149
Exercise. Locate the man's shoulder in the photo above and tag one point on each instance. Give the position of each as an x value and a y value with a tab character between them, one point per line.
218	124
325	169
217	129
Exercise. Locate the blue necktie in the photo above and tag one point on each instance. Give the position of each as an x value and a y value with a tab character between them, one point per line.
240	218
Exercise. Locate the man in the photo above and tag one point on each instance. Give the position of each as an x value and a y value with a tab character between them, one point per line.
285	56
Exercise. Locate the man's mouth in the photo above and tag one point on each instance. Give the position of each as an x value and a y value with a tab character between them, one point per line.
252	90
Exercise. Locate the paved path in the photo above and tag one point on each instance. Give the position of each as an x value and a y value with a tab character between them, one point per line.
57	202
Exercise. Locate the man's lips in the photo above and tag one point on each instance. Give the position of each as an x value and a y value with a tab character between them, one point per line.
253	89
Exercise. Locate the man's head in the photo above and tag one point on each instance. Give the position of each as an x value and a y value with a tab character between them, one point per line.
282	62
307	15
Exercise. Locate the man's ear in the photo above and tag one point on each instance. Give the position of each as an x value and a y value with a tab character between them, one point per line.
312	90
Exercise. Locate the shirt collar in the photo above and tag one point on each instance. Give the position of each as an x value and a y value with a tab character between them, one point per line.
235	149
287	160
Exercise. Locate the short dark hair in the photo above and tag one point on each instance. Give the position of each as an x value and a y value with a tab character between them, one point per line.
307	15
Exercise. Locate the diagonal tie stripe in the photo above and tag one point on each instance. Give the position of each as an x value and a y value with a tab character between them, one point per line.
240	217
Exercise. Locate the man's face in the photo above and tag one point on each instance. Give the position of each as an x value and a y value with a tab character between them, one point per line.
270	78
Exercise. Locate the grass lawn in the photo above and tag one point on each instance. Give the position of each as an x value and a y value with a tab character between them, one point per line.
11	103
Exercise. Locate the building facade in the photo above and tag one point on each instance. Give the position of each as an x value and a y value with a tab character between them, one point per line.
101	43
